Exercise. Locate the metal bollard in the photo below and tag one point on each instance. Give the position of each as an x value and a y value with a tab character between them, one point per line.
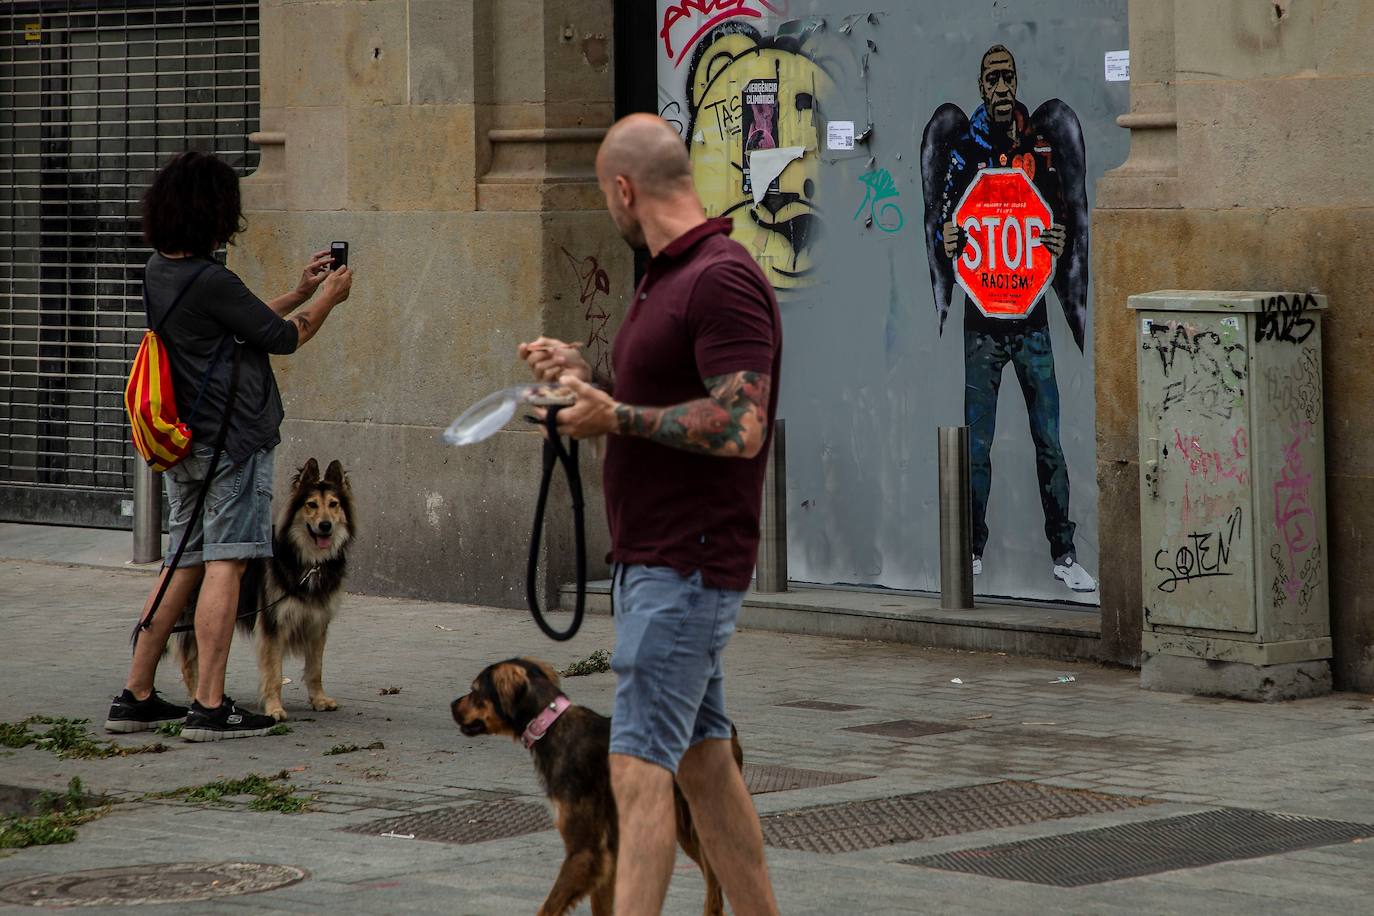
147	514
772	568
956	520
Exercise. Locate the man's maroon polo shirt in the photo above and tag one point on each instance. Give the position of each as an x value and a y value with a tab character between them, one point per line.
703	309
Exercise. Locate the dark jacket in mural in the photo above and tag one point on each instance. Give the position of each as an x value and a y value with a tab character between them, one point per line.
1048	147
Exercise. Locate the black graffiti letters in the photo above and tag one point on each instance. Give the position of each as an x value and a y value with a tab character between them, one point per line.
1204	555
1282	319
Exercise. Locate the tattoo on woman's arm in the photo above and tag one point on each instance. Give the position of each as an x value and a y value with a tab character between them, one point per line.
302	323
721	424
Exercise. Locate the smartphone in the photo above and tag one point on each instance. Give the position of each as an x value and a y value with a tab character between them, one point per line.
338	251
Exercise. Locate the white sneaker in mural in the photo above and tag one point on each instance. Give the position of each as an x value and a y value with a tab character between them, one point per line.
1074	576
977	566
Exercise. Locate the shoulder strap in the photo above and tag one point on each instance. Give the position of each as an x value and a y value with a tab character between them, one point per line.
147	309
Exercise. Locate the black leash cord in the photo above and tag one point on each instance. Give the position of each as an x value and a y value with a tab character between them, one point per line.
554	454
196	513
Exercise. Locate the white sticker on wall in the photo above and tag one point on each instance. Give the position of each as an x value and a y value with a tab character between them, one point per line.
839	135
1145	325
1118	66
1231	322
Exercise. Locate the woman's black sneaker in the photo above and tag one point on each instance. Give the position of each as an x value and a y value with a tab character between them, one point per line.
228	721
128	714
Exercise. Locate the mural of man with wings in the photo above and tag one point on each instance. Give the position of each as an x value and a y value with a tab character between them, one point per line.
1048	147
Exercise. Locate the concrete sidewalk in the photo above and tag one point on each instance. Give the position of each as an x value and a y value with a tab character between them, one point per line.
64	629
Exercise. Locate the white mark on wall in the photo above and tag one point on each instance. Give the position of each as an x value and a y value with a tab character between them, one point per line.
433	503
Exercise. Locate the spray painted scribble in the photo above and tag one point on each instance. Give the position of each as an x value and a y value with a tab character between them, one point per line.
1294	516
1282	319
1296	394
1214	465
1203	555
878	187
594	282
695	17
1048	148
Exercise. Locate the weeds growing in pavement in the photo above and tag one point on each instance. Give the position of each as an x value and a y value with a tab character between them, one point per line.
350	748
170	729
281	728
596	663
56	820
67	738
267	791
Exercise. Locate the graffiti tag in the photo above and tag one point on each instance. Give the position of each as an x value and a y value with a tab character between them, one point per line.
701	15
1296	395
1293	515
1213	465
879	186
1308	577
1280	319
1205	555
1205	353
594	282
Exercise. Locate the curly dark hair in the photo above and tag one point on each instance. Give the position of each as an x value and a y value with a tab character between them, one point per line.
193	205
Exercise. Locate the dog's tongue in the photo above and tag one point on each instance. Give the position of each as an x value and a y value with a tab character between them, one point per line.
322	541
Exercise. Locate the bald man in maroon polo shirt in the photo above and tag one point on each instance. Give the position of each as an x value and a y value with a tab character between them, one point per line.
689	413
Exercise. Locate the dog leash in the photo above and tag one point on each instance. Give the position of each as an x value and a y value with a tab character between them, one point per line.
312	571
199	509
555	454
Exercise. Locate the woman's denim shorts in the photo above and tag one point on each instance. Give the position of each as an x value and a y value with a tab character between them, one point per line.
237	524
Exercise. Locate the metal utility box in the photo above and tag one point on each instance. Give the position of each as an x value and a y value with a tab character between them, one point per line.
1233	493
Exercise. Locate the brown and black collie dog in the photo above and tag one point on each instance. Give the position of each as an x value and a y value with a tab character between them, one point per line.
570	745
297	591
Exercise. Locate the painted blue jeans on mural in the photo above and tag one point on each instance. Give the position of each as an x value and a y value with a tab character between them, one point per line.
986	353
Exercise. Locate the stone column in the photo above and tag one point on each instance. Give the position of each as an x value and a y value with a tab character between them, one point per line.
1263	183
451	143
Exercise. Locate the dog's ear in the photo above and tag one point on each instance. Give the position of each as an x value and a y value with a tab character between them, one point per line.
544	668
308	474
511	684
335	474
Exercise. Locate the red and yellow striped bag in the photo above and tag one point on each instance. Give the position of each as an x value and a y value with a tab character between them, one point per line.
159	435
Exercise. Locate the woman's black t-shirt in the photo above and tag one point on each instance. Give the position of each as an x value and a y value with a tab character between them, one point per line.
216	308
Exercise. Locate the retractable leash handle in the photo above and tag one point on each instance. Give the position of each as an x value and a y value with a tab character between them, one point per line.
555	454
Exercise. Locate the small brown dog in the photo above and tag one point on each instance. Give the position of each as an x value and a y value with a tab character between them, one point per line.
521	697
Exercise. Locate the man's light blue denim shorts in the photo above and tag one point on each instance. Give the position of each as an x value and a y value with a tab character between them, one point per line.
237	524
670	635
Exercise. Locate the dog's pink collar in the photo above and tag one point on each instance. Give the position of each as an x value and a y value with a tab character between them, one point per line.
542	722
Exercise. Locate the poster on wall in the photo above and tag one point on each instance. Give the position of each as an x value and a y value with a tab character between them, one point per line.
938	154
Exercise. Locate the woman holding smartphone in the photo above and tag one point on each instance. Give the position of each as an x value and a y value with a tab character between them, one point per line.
201	310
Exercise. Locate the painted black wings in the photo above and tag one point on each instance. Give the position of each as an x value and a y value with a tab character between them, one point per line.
1056	122
938	141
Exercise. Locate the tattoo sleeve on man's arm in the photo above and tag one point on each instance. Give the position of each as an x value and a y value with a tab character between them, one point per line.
302	323
725	424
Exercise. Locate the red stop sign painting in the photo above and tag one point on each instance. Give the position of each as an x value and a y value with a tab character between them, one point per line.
1005	266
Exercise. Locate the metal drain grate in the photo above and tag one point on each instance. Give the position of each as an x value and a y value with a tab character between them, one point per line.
821	705
906	728
478	823
764	779
146	885
1147	848
886	821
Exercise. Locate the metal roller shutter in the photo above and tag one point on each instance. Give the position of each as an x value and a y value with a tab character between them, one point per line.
93	98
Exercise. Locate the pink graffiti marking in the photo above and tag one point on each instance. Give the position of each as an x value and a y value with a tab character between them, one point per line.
594	282
1213	466
715	12
1293	515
